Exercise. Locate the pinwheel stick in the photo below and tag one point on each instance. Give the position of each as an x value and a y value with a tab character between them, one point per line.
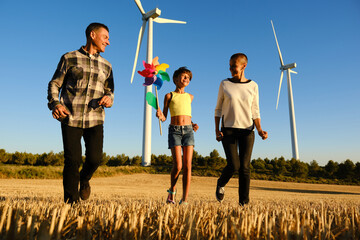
157	103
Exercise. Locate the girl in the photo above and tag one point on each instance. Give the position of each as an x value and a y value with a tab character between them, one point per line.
181	135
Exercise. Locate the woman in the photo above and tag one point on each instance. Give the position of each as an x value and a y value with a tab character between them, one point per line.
238	107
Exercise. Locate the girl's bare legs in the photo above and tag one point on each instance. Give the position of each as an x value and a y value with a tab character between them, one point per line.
177	166
187	159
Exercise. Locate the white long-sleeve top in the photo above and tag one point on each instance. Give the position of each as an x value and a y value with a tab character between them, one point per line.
238	104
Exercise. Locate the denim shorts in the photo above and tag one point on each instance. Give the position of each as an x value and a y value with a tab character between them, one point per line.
180	136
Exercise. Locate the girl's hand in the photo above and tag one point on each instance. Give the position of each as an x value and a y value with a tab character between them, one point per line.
219	135
160	115
195	127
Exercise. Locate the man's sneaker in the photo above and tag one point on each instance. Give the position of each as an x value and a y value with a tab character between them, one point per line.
220	192
84	190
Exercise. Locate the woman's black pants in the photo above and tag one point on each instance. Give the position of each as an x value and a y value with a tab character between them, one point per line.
93	138
238	145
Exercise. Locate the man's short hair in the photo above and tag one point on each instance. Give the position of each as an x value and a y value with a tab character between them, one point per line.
241	56
181	71
93	27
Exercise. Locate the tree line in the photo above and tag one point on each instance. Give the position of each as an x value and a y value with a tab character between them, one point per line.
279	169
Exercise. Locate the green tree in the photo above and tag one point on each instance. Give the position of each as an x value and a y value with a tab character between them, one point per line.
136	161
215	161
267	161
30	159
162	160
44	159
299	169
357	171
269	167
55	159
153	159
105	159
118	160
331	168
214	154
18	158
280	167
259	165
4	156
346	170
198	160
315	170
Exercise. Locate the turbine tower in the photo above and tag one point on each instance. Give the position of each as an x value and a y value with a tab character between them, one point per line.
287	68
148	17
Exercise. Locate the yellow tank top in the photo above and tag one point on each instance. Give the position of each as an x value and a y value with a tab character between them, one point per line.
180	104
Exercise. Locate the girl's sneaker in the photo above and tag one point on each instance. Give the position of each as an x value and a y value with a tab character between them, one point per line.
183	203
169	200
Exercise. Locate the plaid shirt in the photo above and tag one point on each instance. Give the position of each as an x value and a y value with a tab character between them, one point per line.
83	80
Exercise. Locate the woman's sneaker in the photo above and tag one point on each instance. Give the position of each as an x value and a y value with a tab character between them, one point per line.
220	193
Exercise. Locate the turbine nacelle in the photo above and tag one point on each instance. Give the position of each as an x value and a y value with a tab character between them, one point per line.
152	14
288	66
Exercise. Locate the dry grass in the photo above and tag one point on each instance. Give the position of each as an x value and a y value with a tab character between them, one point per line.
132	207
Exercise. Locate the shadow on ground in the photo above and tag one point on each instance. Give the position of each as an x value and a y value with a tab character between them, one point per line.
302	191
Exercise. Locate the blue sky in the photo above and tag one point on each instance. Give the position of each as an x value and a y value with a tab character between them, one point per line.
322	37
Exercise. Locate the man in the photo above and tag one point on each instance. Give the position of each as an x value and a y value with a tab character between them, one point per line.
84	81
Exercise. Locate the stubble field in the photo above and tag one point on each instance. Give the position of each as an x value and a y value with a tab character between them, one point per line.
133	207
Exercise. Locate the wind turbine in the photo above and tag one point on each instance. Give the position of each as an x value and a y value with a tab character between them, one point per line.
148	17
287	68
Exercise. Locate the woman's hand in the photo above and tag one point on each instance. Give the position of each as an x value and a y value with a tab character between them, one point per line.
263	134
219	135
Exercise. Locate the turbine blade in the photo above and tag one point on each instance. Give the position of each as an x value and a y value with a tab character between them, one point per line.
280	56
292	71
281	78
164	20
138	3
141	34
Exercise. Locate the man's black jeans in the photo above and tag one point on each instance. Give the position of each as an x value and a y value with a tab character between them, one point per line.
93	138
238	145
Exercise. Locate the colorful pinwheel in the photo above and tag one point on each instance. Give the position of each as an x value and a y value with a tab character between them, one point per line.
154	73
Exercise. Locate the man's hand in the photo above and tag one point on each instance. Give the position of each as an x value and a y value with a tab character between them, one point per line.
105	101
59	112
